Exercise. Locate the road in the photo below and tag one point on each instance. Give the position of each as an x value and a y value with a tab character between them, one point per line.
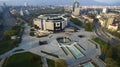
104	35
8	22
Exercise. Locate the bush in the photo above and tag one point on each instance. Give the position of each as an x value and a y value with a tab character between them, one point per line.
32	34
32	30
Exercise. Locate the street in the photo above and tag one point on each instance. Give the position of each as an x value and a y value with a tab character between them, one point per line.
103	34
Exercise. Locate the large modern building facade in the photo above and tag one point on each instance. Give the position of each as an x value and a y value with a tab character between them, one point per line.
50	22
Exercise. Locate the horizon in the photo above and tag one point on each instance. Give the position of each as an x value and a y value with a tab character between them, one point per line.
57	2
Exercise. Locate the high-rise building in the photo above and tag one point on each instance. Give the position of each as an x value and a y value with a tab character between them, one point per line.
21	12
1	9
4	5
25	4
104	10
27	12
76	8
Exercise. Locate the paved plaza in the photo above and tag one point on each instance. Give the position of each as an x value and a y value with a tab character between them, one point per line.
31	44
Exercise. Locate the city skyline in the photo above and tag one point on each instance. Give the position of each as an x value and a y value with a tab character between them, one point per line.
60	2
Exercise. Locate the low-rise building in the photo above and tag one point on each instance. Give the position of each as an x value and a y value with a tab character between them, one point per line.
102	22
88	18
113	27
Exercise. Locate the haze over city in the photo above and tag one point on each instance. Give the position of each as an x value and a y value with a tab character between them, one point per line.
61	2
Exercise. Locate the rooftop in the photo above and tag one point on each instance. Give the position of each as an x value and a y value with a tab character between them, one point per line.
52	17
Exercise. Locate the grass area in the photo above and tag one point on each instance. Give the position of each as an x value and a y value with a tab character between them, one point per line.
51	54
51	63
6	45
26	59
57	63
116	54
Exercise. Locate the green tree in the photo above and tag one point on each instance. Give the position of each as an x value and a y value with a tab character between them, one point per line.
111	63
109	53
76	21
89	26
32	34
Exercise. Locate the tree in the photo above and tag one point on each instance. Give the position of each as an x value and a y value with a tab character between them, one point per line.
89	26
32	34
76	21
109	53
111	63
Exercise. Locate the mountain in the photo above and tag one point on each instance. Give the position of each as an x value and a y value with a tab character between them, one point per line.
116	4
92	2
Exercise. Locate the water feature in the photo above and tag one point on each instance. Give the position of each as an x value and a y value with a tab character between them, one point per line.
75	52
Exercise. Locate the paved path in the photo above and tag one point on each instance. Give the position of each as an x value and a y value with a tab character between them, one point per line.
1	62
99	62
44	61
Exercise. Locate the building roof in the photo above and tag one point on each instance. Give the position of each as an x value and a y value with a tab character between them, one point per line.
112	24
54	18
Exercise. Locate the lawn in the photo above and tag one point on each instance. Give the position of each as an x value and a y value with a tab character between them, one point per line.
7	45
26	59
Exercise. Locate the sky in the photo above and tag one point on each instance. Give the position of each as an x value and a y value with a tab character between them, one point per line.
51	2
108	1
